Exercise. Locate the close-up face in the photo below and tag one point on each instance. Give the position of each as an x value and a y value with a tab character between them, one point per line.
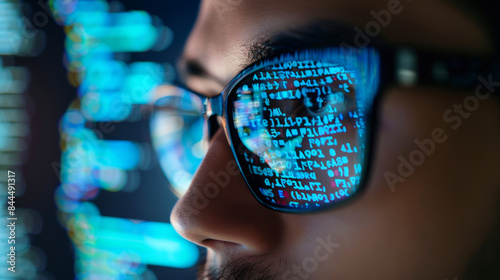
431	216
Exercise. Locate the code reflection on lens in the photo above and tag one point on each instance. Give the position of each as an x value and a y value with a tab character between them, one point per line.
302	130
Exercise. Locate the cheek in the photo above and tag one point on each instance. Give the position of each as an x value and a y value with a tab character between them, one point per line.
412	140
430	218
432	194
423	140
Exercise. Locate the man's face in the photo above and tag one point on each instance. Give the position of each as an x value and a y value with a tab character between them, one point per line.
426	226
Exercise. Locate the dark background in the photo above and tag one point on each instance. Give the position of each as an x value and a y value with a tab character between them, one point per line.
50	94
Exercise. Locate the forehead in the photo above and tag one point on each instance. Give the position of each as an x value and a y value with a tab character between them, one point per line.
226	28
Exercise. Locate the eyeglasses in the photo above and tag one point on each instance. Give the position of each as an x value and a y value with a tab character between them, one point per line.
301	125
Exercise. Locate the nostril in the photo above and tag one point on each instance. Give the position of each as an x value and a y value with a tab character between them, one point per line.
244	248
217	244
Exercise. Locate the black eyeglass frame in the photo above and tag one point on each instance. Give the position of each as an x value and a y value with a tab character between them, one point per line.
398	67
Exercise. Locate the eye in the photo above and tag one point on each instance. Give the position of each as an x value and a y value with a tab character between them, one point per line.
315	100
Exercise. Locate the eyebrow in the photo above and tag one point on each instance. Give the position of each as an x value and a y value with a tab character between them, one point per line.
314	34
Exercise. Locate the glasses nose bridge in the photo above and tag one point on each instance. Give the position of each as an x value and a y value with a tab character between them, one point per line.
214	106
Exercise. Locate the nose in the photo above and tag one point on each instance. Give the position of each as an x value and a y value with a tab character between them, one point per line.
219	211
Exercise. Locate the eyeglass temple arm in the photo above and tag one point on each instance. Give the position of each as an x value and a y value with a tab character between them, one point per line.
412	67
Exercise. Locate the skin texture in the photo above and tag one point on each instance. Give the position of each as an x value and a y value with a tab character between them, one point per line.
428	227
